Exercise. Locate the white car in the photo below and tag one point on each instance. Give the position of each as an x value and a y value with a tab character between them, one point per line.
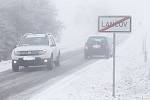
36	49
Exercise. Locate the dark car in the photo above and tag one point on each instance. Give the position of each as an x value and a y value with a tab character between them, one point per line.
97	46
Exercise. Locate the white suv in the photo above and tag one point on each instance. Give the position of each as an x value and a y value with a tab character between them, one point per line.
35	49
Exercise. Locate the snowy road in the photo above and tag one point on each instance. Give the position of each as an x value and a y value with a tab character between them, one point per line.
23	84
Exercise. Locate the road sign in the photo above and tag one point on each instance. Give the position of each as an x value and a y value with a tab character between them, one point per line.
114	23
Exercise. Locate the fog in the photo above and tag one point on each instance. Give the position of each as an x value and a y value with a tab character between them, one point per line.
72	69
80	16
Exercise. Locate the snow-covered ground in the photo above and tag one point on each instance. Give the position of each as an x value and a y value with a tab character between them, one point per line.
95	81
5	65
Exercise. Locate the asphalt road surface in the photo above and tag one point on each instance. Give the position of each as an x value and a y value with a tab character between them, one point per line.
22	85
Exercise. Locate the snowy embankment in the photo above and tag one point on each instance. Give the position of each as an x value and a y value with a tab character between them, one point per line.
95	81
5	65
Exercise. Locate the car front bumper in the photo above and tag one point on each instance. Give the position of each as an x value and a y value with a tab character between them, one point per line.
35	62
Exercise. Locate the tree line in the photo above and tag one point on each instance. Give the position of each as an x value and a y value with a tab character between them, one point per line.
25	16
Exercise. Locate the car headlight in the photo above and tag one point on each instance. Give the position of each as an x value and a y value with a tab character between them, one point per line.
42	51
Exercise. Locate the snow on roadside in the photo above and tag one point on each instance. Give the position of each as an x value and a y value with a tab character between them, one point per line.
85	84
95	81
134	82
5	65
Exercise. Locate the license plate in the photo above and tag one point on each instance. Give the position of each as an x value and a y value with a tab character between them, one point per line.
96	46
28	58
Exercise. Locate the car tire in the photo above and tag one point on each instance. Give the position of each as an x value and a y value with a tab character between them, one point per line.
15	67
107	55
57	62
90	56
50	64
85	56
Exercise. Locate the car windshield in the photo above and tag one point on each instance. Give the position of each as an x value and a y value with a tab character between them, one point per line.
34	41
96	40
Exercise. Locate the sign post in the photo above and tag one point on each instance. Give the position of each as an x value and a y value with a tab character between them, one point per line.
114	63
114	24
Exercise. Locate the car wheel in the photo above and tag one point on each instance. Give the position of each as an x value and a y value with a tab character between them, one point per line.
15	67
85	56
107	55
50	64
90	56
57	62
